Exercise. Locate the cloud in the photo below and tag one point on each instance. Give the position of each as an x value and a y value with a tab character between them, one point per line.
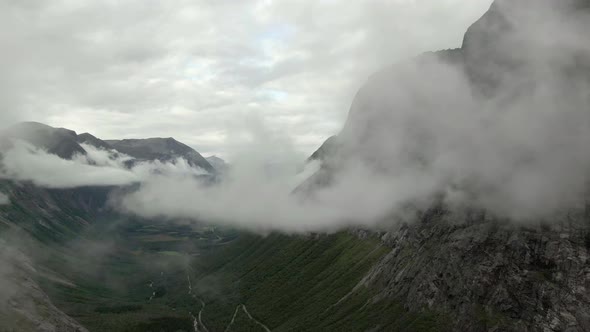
185	69
4	199
515	147
418	132
258	203
23	162
425	131
99	167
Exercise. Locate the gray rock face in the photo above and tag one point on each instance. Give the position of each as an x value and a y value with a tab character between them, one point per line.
490	276
163	149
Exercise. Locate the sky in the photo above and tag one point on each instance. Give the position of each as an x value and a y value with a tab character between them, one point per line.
202	71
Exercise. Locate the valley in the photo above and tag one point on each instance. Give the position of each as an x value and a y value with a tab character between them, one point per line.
455	198
122	274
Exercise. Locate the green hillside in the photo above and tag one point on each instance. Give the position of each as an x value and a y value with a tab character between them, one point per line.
115	273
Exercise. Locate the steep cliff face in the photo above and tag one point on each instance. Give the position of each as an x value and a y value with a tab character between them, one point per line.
484	272
515	48
489	275
514	39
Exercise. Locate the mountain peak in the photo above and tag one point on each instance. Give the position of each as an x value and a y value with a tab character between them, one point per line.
66	143
158	148
60	141
94	141
515	35
219	164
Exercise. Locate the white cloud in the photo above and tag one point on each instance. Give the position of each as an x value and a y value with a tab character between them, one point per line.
121	77
24	162
4	199
422	132
99	167
210	73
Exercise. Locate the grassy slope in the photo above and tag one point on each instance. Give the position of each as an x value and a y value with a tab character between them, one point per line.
113	292
290	283
98	271
296	283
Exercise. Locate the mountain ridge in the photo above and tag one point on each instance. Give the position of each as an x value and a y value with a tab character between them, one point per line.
66	144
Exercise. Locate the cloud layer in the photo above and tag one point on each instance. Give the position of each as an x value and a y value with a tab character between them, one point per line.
195	69
417	133
426	130
99	167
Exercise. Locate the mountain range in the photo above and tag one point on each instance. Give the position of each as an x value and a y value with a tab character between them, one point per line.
66	143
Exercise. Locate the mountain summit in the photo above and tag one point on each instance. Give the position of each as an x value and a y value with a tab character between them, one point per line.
162	149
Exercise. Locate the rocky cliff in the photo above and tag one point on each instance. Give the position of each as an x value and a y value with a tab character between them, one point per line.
484	272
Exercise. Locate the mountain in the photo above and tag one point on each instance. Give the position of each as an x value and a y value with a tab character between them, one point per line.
505	56
47	250
92	140
479	272
59	141
66	143
326	150
218	164
29	308
163	149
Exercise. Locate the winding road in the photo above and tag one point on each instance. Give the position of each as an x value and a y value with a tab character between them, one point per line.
198	320
245	310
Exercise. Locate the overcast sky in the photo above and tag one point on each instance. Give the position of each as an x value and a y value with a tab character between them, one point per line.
201	70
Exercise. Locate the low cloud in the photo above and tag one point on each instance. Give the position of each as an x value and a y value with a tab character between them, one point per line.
358	197
24	162
511	139
99	167
4	199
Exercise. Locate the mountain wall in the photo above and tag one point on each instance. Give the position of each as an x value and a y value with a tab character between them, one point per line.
487	273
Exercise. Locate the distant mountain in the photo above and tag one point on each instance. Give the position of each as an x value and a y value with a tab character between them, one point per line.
90	139
163	149
66	143
219	164
59	141
325	150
